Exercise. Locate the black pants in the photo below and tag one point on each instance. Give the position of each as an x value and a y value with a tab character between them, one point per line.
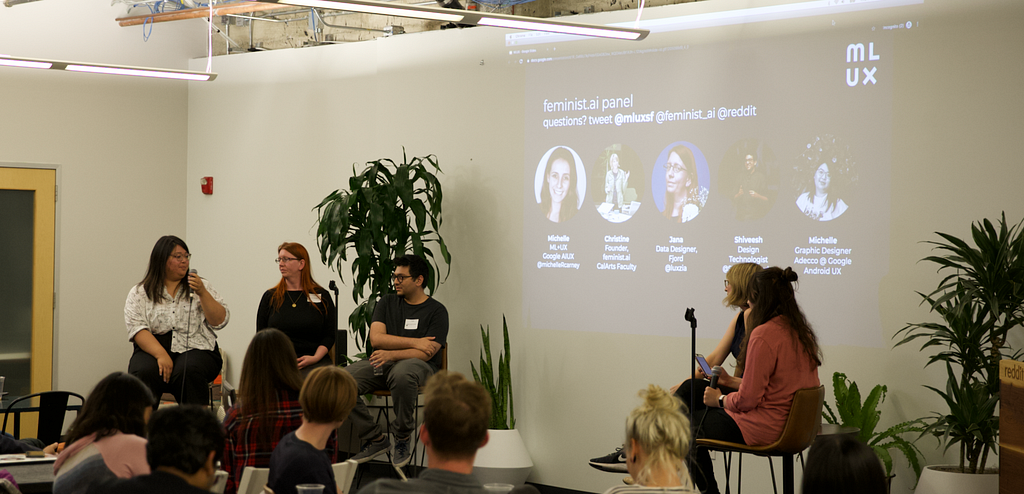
683	392
711	423
190	378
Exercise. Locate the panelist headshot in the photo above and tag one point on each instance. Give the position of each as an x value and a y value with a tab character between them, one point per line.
560	184
617	196
825	174
749	178
683	179
171	317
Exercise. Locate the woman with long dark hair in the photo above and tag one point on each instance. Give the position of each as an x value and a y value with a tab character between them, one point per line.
781	357
558	197
268	405
171	316
107	438
300	308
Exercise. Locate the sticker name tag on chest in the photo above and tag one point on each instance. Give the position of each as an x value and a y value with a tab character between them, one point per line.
314	298
412	324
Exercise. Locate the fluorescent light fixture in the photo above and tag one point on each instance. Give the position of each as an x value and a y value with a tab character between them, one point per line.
471	18
93	68
381	8
582	30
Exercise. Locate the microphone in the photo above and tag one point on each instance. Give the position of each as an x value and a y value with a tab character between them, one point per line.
188	288
715	372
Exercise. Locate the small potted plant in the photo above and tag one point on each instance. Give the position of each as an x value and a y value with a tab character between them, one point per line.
504	459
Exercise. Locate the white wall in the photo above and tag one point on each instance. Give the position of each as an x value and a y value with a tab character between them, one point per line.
120	147
302	117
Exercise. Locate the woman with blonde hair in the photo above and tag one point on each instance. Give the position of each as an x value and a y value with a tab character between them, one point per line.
657	442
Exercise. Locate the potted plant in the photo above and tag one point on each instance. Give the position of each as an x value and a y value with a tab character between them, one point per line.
865	416
979	302
504	459
383	214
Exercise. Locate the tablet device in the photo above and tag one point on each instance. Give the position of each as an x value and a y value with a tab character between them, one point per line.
703	364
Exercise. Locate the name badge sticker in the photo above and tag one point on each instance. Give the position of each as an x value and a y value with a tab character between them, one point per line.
412	324
314	298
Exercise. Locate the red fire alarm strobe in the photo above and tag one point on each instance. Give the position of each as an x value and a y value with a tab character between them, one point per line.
207	185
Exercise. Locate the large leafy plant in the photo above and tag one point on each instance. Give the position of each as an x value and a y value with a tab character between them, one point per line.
865	416
503	414
388	210
980	301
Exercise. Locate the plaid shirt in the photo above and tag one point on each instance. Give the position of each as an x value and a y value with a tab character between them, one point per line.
242	448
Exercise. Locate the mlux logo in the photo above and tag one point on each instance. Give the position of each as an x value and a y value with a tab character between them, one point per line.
855	54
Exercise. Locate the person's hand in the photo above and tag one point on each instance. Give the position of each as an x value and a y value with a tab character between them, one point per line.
674	388
381	357
426	345
752	193
626	176
165	365
700	374
725	379
196	284
711	397
51	449
307	360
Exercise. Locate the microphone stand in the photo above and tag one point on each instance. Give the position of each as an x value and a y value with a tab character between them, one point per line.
693	369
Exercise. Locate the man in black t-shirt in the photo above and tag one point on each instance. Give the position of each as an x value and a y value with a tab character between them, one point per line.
408	331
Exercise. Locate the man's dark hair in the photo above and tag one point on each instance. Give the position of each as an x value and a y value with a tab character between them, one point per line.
417	267
182	437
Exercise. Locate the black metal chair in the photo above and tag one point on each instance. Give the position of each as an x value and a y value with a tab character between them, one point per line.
53	406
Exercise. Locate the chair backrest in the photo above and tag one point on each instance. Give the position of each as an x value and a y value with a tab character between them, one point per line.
253	480
220	481
803	422
53	406
344	472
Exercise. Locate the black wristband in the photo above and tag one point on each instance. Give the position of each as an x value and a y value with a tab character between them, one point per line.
721	401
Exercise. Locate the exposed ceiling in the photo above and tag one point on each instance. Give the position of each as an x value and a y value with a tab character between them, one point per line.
252	26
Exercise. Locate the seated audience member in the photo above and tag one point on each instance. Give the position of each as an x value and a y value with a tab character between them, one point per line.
657	441
107	438
841	464
327	397
268	405
456	414
184	445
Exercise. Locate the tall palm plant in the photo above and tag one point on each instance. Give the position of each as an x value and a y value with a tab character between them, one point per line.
980	301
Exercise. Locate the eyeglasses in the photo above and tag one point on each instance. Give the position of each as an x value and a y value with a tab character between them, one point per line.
181	257
674	168
279	260
823	174
398	279
726	283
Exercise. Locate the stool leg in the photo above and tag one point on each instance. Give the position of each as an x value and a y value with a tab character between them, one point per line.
728	470
771	465
787	474
739	477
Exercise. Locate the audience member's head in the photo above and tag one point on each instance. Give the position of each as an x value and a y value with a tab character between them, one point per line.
739	277
269	367
457	412
841	464
186	440
417	267
657	438
327	396
120	402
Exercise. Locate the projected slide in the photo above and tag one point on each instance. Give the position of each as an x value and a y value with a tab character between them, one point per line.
650	172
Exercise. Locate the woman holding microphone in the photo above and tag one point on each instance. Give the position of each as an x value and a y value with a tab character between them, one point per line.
171	316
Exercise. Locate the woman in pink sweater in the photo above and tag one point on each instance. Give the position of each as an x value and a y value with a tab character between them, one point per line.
108	438
782	357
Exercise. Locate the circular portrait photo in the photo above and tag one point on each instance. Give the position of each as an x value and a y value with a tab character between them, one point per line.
749	177
680	182
560	184
825	175
618	195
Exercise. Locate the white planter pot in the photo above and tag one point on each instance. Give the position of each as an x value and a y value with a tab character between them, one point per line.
938	482
503	460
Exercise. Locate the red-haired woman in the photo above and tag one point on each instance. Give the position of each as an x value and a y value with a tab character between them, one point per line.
300	308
